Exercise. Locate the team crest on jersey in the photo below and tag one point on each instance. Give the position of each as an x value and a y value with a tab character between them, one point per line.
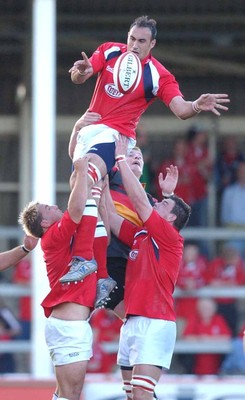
112	91
133	255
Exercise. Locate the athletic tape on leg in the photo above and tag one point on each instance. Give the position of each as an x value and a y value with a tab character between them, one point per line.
100	230
128	389
94	172
144	382
96	192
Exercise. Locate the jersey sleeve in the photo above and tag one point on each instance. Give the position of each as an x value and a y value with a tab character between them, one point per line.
168	87
160	229
98	57
62	231
127	233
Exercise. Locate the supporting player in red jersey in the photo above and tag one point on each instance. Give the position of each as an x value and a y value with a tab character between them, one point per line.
67	307
152	270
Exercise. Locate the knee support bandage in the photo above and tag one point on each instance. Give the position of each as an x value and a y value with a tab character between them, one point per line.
94	173
143	382
128	389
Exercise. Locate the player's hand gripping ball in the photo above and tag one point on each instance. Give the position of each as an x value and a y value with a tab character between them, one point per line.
127	72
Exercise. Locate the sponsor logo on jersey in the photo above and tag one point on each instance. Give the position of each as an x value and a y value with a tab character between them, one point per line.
133	255
112	91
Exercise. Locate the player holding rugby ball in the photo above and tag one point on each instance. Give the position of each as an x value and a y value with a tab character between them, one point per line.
121	111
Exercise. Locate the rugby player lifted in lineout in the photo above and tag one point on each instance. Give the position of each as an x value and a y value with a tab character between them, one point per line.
121	113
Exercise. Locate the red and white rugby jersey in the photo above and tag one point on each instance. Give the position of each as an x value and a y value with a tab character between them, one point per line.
122	112
57	246
152	268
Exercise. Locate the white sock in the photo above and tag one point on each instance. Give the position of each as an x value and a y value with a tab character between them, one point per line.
55	396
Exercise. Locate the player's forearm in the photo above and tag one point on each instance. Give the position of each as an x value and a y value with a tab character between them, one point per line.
133	186
115	220
79	78
72	143
105	218
79	194
181	108
11	257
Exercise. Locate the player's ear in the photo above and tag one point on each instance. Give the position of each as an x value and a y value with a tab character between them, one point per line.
45	223
171	217
153	42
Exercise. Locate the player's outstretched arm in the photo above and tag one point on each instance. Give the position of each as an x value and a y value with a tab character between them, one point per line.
208	102
168	184
131	184
115	220
13	256
79	193
81	70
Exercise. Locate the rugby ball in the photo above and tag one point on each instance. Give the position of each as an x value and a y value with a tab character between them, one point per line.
127	72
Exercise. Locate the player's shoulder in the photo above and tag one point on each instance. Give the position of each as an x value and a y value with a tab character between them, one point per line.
111	45
109	50
158	65
160	225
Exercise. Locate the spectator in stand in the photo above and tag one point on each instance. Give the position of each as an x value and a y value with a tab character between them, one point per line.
227	269
227	162
192	276
232	207
200	166
22	275
178	158
199	163
106	328
204	325
9	329
234	362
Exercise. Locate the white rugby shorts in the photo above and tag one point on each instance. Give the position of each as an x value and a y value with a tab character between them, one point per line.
91	135
68	341
146	341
